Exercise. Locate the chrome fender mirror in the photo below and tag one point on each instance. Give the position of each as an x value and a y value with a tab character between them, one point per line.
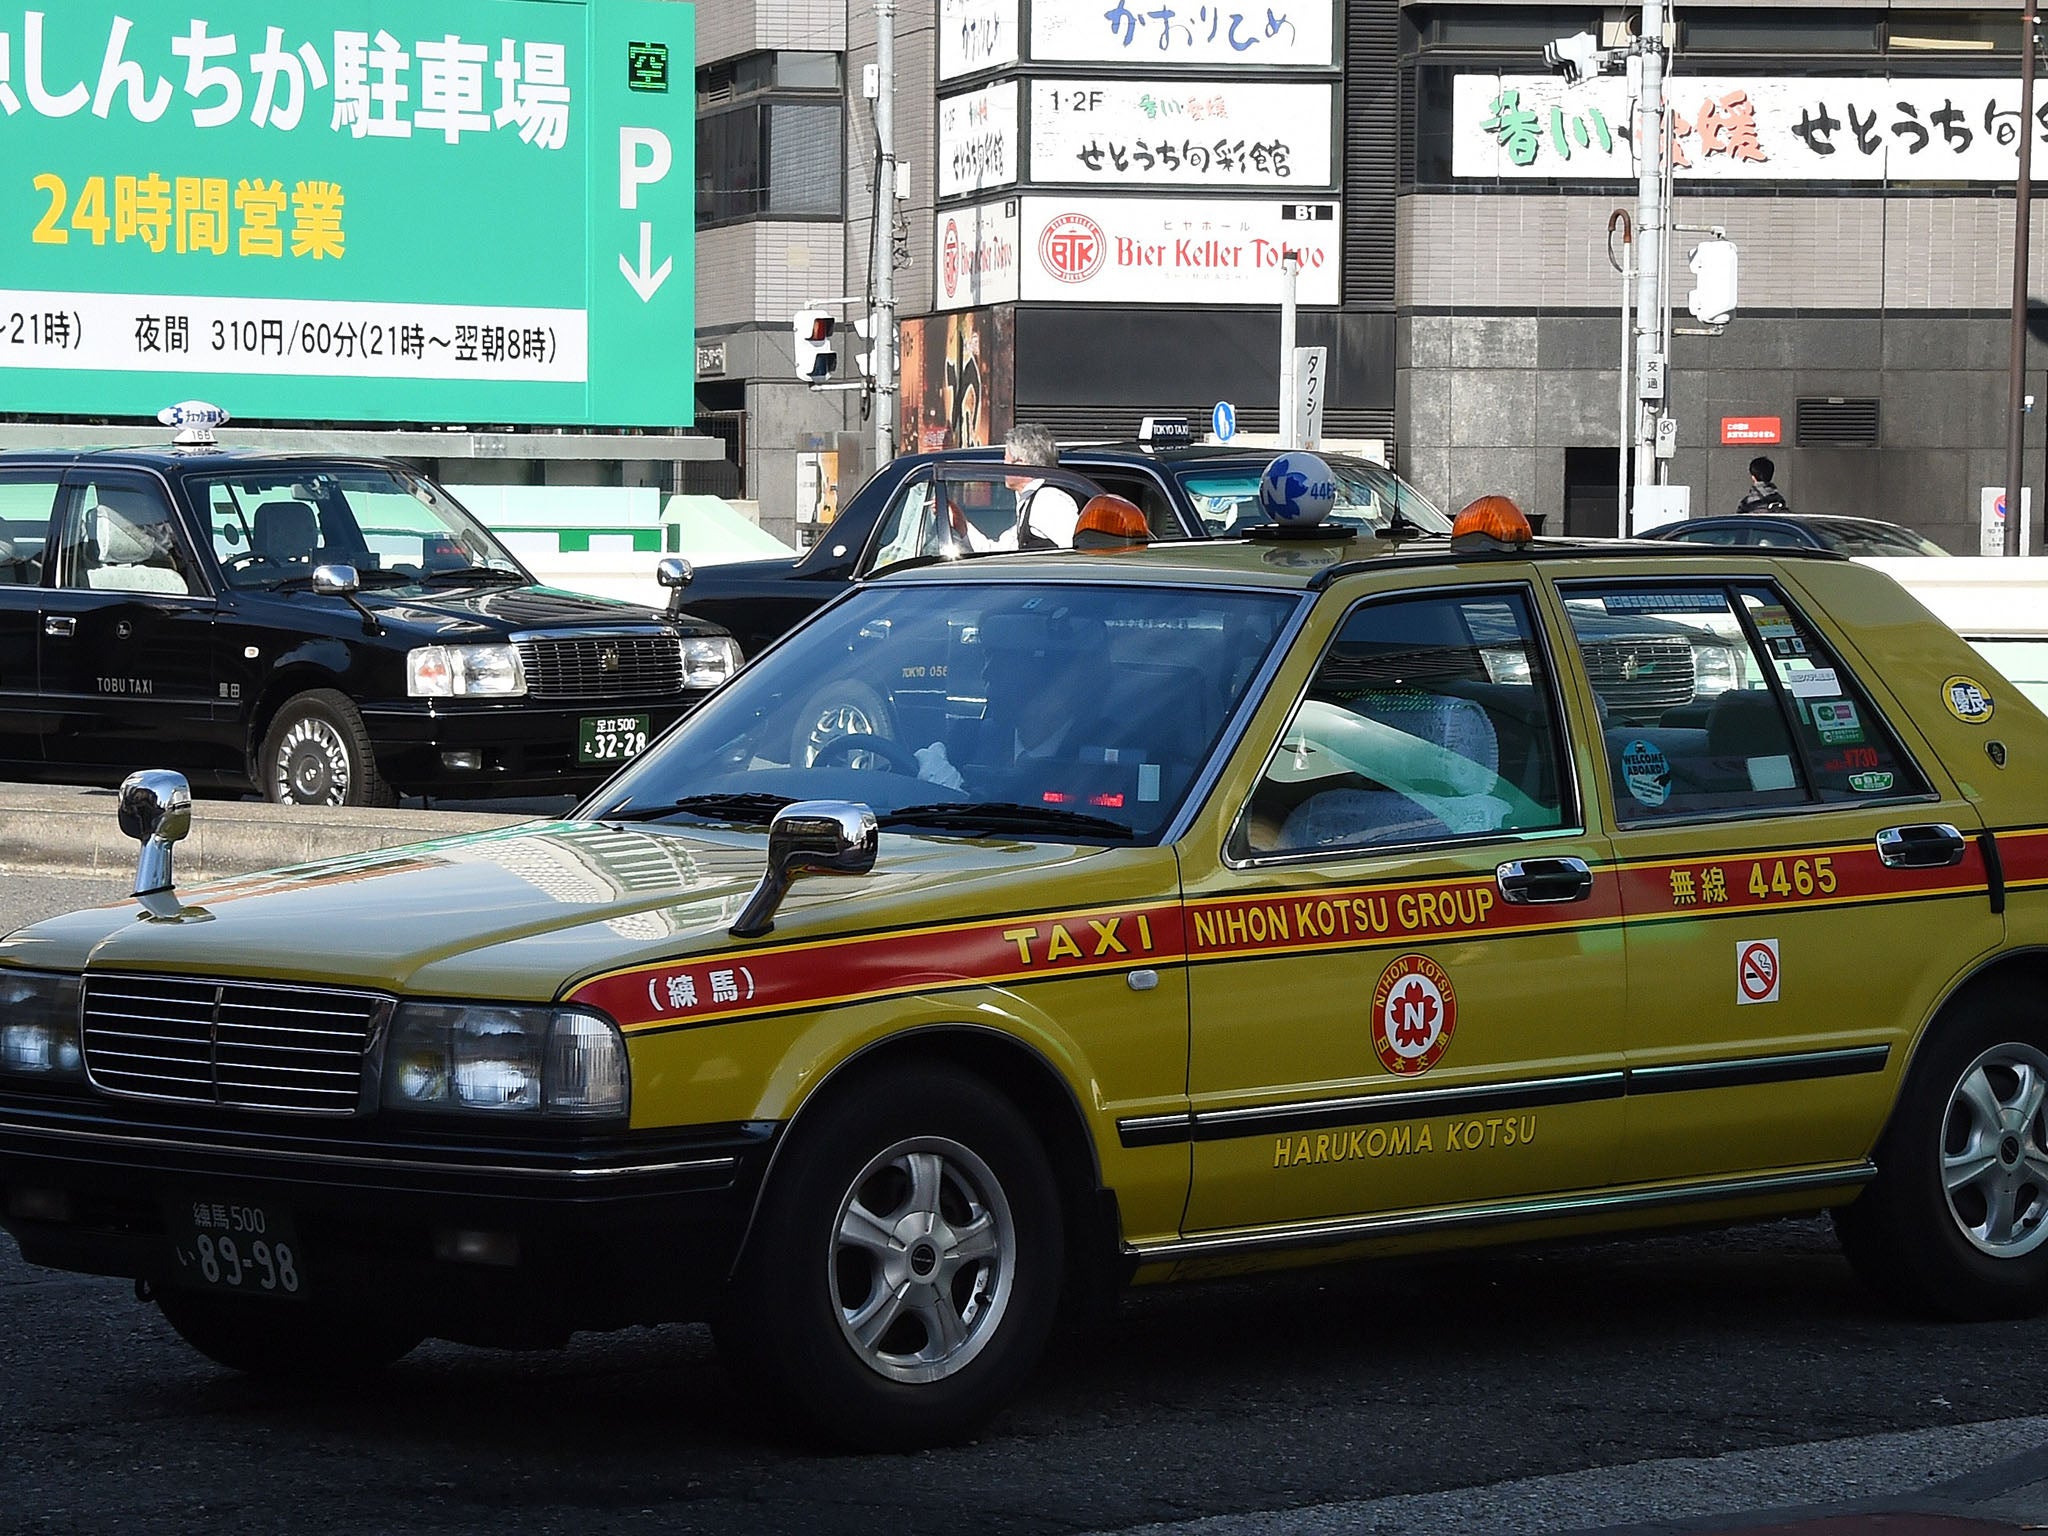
675	573
827	837
344	581
156	810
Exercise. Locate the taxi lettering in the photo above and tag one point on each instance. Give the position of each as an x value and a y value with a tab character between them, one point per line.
1379	1141
1058	941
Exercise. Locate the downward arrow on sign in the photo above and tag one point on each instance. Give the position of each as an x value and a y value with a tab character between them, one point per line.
647	280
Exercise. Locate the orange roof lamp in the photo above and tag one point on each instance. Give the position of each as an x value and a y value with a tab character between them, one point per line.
1491	523
1111	522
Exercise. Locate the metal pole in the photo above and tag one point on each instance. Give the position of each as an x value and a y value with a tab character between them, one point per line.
1290	269
1649	232
883	258
2022	211
1626	267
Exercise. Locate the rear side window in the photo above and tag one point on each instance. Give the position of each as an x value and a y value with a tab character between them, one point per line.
26	499
1718	699
1429	718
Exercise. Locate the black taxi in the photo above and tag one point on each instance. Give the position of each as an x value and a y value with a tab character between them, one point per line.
326	630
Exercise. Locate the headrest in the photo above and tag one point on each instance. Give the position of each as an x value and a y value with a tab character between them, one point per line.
285	530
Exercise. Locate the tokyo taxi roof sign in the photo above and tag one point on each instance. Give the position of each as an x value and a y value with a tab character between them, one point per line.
436	211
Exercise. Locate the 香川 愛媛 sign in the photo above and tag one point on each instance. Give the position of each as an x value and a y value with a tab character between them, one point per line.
356	210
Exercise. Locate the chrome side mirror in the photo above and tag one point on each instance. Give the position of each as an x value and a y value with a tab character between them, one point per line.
336	580
675	573
827	837
156	810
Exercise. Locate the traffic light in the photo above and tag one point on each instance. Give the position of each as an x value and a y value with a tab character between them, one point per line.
865	357
815	356
1712	300
1575	57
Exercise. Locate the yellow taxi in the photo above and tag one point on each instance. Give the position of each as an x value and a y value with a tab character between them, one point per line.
1030	925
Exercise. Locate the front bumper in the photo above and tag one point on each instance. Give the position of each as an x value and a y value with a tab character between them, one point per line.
584	1234
526	746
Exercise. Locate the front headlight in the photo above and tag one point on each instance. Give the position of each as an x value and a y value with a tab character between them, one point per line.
1715	670
505	1060
39	1027
709	661
465	671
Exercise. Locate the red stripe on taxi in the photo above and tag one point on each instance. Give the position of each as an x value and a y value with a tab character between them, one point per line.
1770	879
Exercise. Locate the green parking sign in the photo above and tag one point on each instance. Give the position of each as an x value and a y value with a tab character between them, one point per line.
444	211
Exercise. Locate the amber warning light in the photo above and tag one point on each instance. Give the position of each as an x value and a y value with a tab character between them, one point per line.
1491	522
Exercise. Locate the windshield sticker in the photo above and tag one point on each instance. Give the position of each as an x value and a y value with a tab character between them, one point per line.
1148	782
1813	683
1968	700
1646	772
1773	623
1787	646
1837	722
1665	602
1870	783
1769	773
1414	1013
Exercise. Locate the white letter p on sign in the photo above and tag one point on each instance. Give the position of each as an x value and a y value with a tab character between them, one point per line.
634	172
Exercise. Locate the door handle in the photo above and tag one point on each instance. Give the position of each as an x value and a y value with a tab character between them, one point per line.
1927	845
60	627
1544	882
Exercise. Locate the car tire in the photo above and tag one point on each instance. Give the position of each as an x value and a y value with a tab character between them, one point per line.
317	752
1956	1223
905	1270
844	708
287	1340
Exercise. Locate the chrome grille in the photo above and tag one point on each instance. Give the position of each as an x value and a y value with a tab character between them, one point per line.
244	1045
601	666
1640	678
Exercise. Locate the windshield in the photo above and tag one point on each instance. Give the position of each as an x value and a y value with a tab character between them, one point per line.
1875	539
1368	495
1074	712
271	526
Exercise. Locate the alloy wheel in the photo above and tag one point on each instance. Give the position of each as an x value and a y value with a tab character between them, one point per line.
1994	1151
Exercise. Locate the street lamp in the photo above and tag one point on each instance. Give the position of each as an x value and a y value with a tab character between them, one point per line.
2015	412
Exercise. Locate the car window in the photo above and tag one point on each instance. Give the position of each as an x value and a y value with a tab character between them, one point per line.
1719	536
2023	662
1429	718
1143	492
1368	496
1715	699
1079	711
118	534
27	497
908	528
1875	539
1783	538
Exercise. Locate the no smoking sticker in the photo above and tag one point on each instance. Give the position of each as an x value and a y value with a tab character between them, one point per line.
1756	970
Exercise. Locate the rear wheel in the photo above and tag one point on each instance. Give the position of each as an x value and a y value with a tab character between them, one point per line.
317	752
906	1269
285	1340
1956	1222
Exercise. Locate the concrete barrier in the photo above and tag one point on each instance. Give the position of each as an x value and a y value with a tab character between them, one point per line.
68	830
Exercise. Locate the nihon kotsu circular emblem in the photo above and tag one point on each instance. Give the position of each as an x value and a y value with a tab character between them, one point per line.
1414	1011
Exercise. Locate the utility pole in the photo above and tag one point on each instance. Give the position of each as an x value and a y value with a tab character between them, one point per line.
882	263
2022	207
1650	245
1290	269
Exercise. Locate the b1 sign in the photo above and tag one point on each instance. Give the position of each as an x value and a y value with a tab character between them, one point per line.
1181	250
441	211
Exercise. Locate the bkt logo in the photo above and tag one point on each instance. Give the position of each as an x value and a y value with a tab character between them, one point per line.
1072	248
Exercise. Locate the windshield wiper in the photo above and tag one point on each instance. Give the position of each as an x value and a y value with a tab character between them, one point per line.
1006	816
473	573
753	809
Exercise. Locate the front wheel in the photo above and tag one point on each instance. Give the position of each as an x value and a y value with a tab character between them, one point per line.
317	752
1956	1223
286	1340
905	1272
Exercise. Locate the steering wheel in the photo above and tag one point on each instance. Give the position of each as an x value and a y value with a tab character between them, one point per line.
900	758
246	557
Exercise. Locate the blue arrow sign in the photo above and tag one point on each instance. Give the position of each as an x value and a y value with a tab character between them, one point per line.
1223	421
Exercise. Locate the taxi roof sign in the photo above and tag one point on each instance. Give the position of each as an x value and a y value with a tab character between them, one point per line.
1165	432
195	420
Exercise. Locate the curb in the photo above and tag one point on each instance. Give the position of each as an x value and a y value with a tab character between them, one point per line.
67	830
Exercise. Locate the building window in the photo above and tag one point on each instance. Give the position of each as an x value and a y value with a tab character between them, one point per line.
771	138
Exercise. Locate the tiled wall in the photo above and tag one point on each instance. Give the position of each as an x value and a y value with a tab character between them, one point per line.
766	272
1508	251
728	28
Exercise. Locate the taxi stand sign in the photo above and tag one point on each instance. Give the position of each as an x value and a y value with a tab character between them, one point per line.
435	211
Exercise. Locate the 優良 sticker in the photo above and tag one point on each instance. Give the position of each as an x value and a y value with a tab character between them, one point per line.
1787	646
1414	1011
1837	722
1968	700
1773	622
1646	773
1870	783
1756	970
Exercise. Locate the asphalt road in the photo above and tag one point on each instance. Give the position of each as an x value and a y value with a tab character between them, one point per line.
1562	1389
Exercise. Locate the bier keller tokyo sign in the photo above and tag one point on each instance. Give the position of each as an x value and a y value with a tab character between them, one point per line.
350	210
